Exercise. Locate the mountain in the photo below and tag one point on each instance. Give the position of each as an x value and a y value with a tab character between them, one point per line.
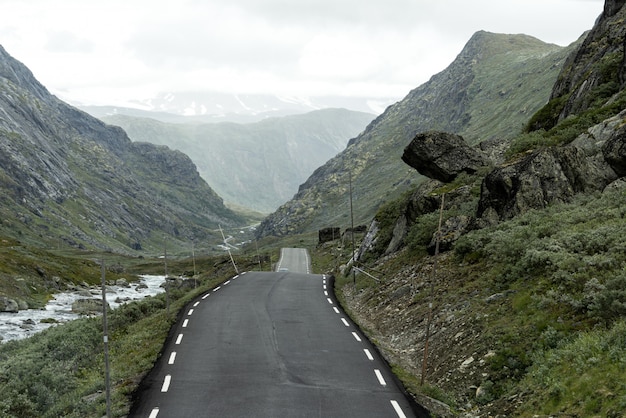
210	107
487	95
68	178
259	165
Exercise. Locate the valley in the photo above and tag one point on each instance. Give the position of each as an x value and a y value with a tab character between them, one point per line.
476	228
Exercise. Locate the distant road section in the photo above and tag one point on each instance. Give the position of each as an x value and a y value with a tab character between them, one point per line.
295	260
270	344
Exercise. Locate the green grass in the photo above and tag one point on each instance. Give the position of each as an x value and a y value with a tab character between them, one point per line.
60	371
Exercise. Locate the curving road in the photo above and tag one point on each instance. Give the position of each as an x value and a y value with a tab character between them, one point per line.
269	344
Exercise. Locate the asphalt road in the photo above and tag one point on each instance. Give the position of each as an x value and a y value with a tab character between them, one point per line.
269	344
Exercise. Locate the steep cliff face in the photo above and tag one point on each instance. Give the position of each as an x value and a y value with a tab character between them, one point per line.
495	83
68	177
595	72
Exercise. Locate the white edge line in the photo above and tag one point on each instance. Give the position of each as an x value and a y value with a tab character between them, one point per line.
396	407
172	358
166	383
380	377
154	413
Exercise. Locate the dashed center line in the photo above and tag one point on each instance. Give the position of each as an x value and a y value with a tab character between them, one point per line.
154	413
217	288
325	293
166	383
380	377
396	407
345	322
196	304
336	309
206	296
172	358
356	336
368	354
226	282
190	312
179	338
185	322
329	300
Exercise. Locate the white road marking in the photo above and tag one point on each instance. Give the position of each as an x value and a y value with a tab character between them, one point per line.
190	312
336	309
154	413
196	304
329	300
226	282
324	287
379	375
217	288
345	322
398	410
166	383
325	293
356	336
179	339
206	296
368	354
172	358
185	322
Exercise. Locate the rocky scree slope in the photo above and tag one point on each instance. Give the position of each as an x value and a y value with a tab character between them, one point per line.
259	165
487	94
67	178
525	283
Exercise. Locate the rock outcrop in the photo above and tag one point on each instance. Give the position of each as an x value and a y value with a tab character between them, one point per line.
590	163
442	156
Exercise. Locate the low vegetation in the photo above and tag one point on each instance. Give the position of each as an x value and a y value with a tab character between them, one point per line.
549	288
60	371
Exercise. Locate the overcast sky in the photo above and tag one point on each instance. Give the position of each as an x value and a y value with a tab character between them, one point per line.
109	52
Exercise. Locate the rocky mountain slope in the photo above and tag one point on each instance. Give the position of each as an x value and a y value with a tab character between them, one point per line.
259	165
487	95
68	179
522	312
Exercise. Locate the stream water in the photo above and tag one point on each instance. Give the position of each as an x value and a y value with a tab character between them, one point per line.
27	322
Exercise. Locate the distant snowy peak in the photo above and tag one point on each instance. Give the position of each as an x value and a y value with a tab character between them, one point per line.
222	104
209	107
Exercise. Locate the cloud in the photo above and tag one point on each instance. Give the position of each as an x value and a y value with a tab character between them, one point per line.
115	50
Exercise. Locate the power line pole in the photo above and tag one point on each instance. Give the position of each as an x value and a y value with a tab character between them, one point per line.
432	294
105	333
352	222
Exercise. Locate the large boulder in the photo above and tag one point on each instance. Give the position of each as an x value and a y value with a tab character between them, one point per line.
442	156
87	306
8	305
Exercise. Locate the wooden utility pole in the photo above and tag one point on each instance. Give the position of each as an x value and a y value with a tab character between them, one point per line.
105	333
432	294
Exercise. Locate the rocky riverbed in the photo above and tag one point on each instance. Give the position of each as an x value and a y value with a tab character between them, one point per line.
24	323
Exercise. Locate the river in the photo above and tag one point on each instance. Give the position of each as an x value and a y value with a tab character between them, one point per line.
25	323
